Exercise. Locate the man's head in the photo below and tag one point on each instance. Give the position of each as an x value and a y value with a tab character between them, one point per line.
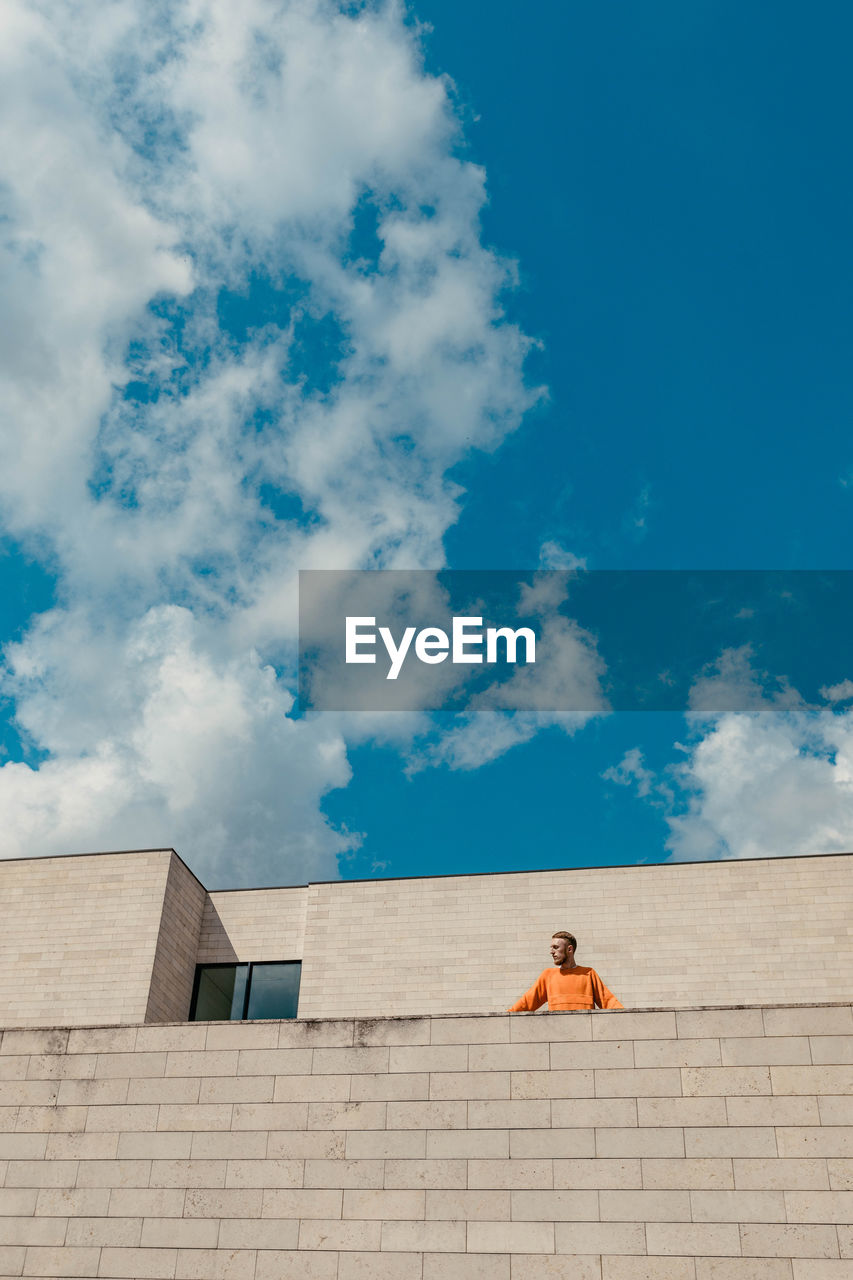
563	948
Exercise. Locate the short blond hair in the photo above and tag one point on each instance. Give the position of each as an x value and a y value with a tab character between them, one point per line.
570	937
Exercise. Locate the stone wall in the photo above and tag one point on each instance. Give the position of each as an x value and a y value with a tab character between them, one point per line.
253	924
79	936
708	1144
116	937
677	934
173	970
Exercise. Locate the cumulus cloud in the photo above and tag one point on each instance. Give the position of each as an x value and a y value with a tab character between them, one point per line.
564	692
176	464
771	777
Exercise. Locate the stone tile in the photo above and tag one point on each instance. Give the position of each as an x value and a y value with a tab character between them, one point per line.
794	1241
215	1264
765	1050
809	1020
382	1087
469	1144
619	1025
553	1084
840	1174
693	1238
819	1206
640	1142
303	1203
457	1085
644	1206
344	1173
550	1143
511	1237
405	1205
432	1237
677	1053
384	1266
46	1261
597	1173
400	1144
689	1174
626	1268
725	1081
346	1115
781	1174
832	1140
372	1032
799	1110
416	1174
554	1027
730	1142
516	1113
465	1266
275	1062
695	1024
606	1113
600	1237
468	1206
206	1202
737	1206
273	1264
440	1057
264	1173
138	1264
554	1206
508	1057
427	1115
543	1266
681	1112
335	1233
832	1049
258	1233
467	1031
512	1174
743	1269
187	1173
816	1080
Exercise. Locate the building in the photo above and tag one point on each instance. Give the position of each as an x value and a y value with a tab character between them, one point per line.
164	1114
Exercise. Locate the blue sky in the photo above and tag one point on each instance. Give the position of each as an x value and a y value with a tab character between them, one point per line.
455	285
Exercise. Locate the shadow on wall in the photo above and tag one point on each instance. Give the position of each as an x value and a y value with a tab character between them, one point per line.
214	939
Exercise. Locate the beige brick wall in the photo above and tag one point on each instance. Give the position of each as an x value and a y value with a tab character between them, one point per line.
711	1144
79	937
679	934
177	946
253	924
117	936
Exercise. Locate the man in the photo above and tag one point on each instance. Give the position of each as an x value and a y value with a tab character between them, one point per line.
567	985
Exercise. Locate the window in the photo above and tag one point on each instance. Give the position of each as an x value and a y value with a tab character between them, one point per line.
245	991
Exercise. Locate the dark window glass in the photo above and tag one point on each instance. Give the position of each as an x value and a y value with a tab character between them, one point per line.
274	992
220	992
237	991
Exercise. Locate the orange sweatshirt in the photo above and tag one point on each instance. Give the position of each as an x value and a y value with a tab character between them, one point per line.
577	988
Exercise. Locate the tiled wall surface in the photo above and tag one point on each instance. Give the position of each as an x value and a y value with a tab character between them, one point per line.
253	924
708	1144
680	935
177	946
78	937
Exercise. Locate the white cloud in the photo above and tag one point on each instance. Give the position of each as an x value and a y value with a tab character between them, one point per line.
156	154
763	774
767	784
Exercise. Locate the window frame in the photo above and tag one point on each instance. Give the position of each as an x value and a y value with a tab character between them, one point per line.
247	994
